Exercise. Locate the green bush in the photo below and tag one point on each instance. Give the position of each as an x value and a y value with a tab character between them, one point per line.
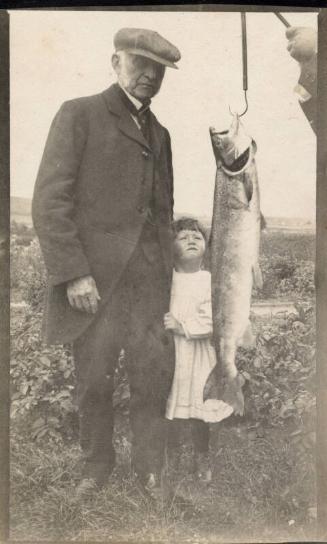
293	246
42	378
23	233
42	381
27	272
285	278
287	265
280	371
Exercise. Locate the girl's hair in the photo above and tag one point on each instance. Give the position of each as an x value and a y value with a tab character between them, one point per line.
189	223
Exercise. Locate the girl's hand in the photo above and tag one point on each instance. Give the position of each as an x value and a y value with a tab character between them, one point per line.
171	324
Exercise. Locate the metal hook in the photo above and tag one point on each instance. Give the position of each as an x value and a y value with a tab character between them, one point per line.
246	107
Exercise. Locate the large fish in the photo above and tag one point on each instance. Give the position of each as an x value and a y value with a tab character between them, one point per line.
235	236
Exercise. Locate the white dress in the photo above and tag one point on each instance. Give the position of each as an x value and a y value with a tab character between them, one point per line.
190	304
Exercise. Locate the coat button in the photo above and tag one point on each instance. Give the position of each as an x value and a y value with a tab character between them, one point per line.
145	154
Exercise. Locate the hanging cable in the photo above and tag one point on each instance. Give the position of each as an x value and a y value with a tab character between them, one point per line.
244	63
281	18
245	56
244	52
244	60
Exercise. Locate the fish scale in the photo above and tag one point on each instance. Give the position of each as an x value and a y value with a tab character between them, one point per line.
234	243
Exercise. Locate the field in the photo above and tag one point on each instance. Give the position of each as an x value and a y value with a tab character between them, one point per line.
263	487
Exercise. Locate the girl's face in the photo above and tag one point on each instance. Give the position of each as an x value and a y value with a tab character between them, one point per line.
189	246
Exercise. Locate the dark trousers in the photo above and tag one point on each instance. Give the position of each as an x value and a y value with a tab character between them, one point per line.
132	319
200	434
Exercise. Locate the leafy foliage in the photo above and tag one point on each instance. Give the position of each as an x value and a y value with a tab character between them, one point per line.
42	381
280	371
264	464
287	264
42	377
27	271
23	234
285	278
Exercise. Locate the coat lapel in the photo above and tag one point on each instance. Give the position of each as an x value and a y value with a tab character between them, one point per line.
156	141
126	123
128	126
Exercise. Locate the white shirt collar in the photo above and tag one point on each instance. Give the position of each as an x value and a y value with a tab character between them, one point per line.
134	100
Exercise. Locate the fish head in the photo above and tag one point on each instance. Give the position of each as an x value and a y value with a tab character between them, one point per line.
233	148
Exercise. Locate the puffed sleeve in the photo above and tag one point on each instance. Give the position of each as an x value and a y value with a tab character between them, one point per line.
200	324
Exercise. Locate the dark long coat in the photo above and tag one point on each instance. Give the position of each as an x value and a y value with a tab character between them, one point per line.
91	197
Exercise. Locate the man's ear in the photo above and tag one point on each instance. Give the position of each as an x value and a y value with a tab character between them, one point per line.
115	61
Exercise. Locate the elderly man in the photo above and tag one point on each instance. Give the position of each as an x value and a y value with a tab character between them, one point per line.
102	209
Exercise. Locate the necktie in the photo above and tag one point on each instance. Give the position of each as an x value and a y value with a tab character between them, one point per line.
142	115
143	119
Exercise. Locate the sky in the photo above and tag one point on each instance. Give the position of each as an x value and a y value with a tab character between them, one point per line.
59	55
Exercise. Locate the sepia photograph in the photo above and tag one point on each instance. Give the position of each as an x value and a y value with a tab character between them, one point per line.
163	302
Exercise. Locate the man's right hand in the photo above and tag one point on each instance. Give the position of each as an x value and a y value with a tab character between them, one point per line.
83	295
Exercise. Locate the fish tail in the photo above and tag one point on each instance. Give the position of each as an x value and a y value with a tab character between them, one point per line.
224	381
233	394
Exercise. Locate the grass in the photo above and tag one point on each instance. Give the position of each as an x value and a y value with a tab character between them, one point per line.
259	493
263	481
293	246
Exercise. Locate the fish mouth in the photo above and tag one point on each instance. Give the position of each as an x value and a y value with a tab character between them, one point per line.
213	131
217	140
239	163
216	134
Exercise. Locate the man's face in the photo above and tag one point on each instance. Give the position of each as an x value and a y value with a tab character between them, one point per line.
140	76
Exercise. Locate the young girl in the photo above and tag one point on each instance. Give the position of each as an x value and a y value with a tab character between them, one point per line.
190	320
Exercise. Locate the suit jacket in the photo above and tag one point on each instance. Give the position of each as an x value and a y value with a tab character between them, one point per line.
91	197
308	80
309	109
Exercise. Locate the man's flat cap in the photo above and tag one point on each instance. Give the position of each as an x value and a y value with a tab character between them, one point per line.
147	43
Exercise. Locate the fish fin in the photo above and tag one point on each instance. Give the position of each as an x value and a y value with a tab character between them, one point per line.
233	394
263	222
213	386
255	147
257	276
248	340
248	187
